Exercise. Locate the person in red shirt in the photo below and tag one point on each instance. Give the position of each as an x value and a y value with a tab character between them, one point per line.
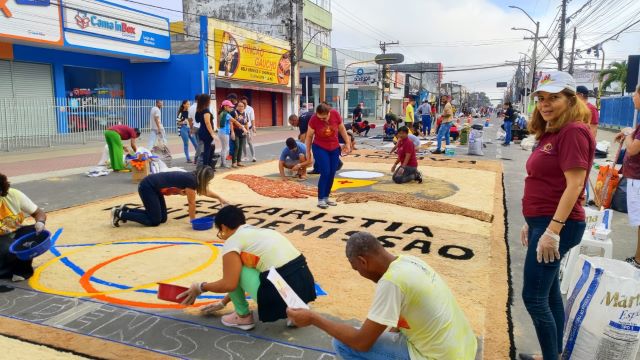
583	94
408	170
324	127
631	171
557	171
114	136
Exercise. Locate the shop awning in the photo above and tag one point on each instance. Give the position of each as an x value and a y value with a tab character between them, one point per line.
250	85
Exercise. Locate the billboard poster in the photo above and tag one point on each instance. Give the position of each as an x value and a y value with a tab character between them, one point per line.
245	58
22	20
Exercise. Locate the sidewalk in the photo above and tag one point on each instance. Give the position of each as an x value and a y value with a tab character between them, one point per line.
28	165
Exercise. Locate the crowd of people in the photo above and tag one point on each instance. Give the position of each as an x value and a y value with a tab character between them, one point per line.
414	314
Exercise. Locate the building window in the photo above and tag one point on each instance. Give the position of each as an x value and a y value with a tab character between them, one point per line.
325	4
87	82
320	35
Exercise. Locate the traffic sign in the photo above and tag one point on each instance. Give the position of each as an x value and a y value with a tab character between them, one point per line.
388	59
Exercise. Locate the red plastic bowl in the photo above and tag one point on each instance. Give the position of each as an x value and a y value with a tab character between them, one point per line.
169	292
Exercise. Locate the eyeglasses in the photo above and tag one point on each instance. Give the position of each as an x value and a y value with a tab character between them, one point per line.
218	234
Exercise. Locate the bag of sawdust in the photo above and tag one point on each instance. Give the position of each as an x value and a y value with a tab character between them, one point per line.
602	311
475	142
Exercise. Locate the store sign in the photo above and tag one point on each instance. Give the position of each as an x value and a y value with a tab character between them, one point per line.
105	26
364	77
23	20
244	55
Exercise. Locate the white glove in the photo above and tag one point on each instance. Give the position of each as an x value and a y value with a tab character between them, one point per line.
524	235
212	308
39	227
548	247
191	294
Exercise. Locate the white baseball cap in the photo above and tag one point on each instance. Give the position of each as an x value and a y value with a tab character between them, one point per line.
554	82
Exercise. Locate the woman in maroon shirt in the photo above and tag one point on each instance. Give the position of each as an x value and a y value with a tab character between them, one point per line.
631	171
324	127
557	171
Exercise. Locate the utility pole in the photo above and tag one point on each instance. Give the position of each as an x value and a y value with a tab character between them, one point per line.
292	54
563	24
383	47
573	51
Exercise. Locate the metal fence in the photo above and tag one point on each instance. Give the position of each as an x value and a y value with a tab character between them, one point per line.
616	111
45	122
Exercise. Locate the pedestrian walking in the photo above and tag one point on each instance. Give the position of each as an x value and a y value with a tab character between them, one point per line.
206	132
583	94
424	111
182	122
509	117
445	125
631	171
240	134
250	116
324	127
195	127
155	123
224	130
557	171
409	114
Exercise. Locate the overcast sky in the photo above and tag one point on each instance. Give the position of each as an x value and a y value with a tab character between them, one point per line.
461	33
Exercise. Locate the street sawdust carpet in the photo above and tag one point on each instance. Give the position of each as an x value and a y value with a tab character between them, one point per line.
454	221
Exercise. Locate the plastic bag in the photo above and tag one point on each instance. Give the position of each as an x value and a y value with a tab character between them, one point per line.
602	311
475	142
501	134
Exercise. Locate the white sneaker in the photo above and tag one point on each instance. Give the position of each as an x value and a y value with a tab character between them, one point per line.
17	278
330	202
322	204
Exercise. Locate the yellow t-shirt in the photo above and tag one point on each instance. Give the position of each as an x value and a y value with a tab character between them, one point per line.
412	297
409	114
13	209
447	114
260	248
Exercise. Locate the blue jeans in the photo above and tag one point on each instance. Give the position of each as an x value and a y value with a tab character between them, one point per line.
443	132
388	346
185	134
507	128
426	124
541	287
155	208
327	163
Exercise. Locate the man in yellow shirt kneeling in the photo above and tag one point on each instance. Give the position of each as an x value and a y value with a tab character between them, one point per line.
410	298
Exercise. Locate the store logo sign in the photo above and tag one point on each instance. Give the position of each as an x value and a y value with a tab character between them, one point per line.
85	21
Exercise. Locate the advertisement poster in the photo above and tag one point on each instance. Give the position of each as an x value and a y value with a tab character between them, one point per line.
244	58
24	20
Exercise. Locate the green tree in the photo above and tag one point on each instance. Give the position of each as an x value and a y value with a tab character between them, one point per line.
616	72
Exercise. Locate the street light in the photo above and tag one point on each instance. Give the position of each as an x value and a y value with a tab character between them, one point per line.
535	44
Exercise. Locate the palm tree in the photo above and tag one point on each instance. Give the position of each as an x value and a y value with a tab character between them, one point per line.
616	72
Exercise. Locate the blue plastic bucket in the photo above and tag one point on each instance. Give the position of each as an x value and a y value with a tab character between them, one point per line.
203	223
31	245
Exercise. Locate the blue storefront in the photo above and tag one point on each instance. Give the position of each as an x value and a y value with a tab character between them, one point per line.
88	50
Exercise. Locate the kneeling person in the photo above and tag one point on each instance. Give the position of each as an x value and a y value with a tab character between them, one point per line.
293	157
410	298
408	170
247	255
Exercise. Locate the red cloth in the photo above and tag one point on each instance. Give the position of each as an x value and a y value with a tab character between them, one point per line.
405	146
126	132
571	147
326	133
631	164
595	116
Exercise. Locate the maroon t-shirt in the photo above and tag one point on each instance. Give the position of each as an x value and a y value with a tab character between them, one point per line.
571	147
595	116
405	146
326	133
126	132
631	164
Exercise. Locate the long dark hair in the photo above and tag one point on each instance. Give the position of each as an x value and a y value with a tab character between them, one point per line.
4	185
203	176
182	107
203	102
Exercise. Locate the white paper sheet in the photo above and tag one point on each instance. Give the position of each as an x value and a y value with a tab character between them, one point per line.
286	292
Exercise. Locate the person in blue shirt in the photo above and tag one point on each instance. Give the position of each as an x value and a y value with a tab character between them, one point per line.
293	157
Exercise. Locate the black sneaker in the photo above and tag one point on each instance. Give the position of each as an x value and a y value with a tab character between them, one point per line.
632	261
313	172
437	151
419	177
115	216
